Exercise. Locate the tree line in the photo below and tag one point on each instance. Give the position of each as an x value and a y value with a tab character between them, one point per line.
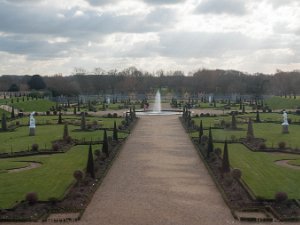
133	80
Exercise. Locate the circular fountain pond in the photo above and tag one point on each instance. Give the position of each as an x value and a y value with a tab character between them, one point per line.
158	113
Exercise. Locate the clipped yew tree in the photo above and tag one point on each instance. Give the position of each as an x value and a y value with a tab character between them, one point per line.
12	112
210	146
90	163
115	132
233	121
66	132
225	160
200	131
257	116
83	122
250	132
4	122
59	118
105	144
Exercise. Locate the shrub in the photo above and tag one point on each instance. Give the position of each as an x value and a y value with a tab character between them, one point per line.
97	153
236	173
218	151
78	175
204	139
31	198
228	181
53	200
281	144
55	147
35	147
115	115
262	146
281	196
109	115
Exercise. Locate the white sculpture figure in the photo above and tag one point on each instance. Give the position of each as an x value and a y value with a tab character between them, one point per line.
32	120
285	119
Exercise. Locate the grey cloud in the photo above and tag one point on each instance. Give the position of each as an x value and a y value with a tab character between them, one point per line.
32	48
233	7
164	2
152	2
161	17
101	2
17	19
203	44
280	3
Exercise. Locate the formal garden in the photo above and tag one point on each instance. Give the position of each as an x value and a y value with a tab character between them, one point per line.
253	157
58	167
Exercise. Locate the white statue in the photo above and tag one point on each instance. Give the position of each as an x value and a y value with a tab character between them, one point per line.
285	119
32	120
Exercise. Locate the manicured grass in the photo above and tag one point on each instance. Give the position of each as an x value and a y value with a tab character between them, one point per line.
40	105
7	165
261	174
3	111
19	140
52	179
271	132
282	103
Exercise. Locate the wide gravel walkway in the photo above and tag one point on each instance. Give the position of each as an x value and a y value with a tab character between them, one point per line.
158	179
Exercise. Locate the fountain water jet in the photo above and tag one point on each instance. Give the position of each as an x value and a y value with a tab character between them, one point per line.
157	103
157	111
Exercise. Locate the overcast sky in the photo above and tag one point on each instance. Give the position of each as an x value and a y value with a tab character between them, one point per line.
54	36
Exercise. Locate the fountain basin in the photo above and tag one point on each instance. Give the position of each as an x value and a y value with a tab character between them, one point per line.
161	113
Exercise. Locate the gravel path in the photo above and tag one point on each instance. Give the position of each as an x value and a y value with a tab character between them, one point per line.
285	163
158	179
32	165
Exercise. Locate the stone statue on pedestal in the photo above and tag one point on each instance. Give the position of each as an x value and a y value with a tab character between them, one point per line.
32	124
285	124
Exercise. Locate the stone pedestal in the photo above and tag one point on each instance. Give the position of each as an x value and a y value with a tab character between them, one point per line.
285	129
31	131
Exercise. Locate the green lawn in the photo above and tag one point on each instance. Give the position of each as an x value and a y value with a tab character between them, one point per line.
271	132
39	105
6	165
3	111
19	139
262	175
282	103
50	180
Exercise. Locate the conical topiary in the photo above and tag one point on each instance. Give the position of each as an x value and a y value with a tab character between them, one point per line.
257	117
59	118
12	112
66	132
90	163
233	121
115	132
210	146
250	132
200	131
105	144
225	160
3	122
83	125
